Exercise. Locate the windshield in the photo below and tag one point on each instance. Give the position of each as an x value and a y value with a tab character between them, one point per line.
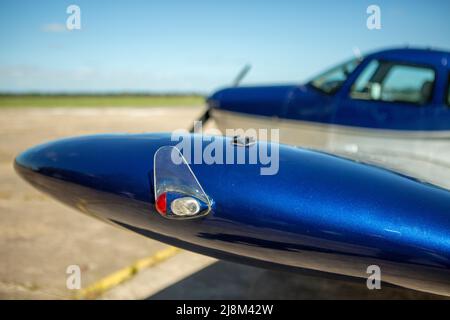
331	80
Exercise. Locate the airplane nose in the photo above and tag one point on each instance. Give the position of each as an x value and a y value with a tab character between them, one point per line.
78	170
29	159
43	167
110	177
64	160
37	164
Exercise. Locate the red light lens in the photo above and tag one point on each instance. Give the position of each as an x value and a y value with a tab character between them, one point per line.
161	204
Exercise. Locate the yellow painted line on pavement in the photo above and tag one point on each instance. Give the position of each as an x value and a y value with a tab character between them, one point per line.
99	287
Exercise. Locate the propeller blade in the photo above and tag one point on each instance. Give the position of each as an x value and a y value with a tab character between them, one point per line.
241	75
206	115
203	118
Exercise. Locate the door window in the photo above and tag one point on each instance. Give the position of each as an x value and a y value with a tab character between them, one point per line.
394	82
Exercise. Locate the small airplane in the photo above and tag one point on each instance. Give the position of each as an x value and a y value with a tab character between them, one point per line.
390	108
320	212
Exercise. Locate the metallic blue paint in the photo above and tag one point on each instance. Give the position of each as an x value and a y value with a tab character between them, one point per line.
308	104
319	212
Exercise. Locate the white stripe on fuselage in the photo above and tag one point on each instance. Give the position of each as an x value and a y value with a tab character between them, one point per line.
424	155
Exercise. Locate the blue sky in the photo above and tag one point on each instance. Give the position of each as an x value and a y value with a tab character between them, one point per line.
197	46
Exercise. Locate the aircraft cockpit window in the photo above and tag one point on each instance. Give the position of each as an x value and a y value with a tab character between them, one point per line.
331	81
392	82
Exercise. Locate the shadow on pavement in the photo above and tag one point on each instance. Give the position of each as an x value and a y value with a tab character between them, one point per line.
226	280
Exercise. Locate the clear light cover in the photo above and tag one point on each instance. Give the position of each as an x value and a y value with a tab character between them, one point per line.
178	194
